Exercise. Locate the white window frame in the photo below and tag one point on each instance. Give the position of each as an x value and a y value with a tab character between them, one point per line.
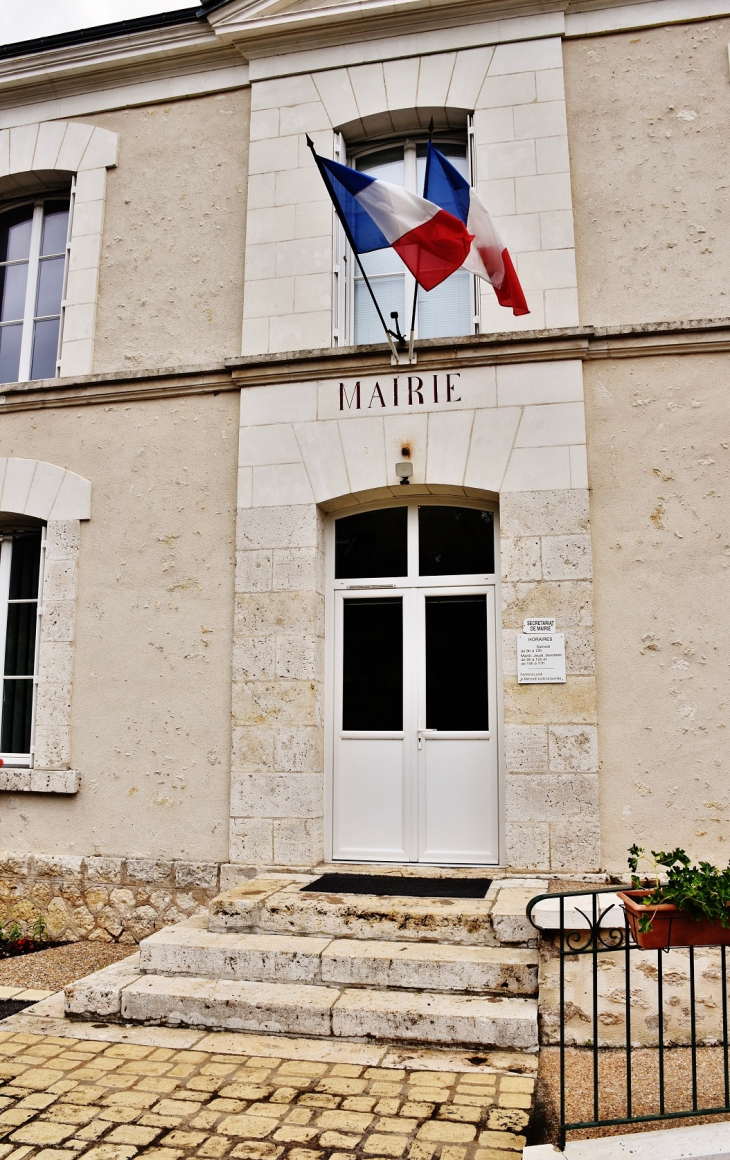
22	760
34	262
343	296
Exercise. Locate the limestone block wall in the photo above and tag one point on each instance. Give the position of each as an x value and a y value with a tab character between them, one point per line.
516	91
550	731
58	629
515	431
277	762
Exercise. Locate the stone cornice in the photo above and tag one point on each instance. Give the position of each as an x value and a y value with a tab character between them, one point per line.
652	340
262	28
141	56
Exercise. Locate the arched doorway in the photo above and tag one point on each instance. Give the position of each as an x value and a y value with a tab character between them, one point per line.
413	691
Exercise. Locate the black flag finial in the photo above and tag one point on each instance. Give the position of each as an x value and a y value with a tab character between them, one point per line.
310	142
430	129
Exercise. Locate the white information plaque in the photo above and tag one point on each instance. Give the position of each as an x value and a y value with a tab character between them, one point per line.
541	658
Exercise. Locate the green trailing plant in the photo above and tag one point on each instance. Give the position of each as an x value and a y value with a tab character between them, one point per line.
700	891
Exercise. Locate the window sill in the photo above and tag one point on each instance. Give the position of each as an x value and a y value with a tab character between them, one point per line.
39	780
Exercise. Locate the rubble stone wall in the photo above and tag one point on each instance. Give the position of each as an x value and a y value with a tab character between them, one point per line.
106	899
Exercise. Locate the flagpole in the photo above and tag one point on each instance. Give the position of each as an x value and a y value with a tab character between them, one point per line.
346	228
412	335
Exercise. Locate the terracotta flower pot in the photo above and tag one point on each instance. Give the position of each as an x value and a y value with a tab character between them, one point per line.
670	927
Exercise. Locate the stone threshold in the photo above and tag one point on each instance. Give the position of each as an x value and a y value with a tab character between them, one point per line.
498	874
47	1018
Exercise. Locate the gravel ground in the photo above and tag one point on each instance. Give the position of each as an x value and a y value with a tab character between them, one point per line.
55	967
612	1088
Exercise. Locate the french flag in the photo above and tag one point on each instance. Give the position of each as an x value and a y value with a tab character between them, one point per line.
488	256
432	241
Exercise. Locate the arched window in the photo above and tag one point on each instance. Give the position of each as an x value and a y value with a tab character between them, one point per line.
449	309
33	248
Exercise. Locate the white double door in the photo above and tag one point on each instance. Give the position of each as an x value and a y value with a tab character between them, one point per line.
415	739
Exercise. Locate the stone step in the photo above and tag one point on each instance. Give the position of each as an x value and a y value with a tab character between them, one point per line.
262	906
302	1009
190	949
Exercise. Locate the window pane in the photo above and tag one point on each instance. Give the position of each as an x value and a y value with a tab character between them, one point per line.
25	566
372	688
17	709
13	280
385	164
50	286
20	640
55	228
10	337
372	544
15	233
380	262
390	293
456	663
453	541
446	310
454	150
45	349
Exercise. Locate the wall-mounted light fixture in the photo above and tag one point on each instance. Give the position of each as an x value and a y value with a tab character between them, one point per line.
404	470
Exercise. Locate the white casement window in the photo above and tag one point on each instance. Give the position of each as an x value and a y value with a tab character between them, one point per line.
21	579
445	312
33	251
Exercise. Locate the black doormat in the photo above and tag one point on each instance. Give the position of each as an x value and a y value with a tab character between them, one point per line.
10	1007
393	885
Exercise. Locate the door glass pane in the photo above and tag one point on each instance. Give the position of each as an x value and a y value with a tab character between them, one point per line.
26	561
454	541
17	709
372	664
45	349
372	544
456	663
10	337
13	281
50	286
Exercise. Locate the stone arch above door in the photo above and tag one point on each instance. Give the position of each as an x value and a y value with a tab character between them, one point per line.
515	427
32	159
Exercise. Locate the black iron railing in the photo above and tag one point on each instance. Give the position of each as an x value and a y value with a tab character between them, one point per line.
590	938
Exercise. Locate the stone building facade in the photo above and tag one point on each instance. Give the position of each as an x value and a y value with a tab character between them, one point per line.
213	416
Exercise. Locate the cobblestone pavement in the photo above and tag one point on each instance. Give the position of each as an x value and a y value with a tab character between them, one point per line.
62	1097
